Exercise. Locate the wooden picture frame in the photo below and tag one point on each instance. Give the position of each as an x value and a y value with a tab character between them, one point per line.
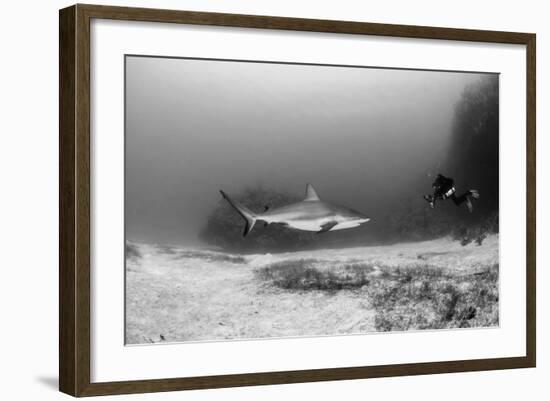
74	199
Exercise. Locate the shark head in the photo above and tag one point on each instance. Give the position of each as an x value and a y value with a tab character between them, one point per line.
350	218
343	217
359	220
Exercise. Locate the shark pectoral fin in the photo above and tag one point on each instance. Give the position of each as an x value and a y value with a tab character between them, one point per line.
327	227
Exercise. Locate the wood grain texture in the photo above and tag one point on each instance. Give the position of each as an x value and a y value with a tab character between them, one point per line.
300	24
82	193
67	293
301	376
74	199
531	229
74	208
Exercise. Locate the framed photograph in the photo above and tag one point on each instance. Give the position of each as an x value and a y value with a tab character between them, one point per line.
250	200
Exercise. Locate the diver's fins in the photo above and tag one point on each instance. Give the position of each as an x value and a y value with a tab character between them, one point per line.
472	194
469	204
430	200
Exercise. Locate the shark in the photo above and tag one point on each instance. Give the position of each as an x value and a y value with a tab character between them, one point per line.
311	214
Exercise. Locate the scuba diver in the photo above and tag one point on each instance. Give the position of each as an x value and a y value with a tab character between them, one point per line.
444	189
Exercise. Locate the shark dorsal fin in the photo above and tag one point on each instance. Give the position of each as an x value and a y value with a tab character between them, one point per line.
311	195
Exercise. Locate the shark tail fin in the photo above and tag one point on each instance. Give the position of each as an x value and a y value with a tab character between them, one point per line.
248	216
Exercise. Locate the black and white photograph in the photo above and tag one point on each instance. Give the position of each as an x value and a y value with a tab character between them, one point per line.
271	200
275	200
